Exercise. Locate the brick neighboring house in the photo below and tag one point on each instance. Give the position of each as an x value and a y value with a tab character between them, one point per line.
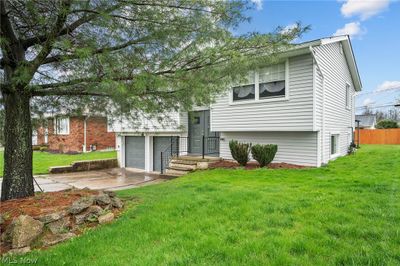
70	134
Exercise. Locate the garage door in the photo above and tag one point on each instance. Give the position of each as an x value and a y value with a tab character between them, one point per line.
134	152
160	144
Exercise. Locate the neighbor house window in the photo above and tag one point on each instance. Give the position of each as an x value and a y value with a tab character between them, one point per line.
272	81
334	144
61	125
348	100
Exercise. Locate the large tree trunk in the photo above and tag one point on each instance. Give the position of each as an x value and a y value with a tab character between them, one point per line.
17	177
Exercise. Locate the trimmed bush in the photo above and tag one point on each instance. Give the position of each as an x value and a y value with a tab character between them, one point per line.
240	151
264	154
387	124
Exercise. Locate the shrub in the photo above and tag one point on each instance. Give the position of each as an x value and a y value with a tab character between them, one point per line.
43	148
264	154
240	151
387	124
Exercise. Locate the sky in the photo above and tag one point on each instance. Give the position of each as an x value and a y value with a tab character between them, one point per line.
374	29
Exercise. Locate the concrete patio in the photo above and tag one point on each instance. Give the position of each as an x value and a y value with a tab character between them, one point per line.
108	179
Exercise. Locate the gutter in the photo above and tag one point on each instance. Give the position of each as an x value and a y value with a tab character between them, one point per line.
84	133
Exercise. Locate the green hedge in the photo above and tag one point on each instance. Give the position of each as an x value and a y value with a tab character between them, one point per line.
264	154
240	151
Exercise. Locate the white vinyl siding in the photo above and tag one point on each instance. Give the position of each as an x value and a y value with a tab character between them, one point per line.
293	147
292	114
172	122
337	118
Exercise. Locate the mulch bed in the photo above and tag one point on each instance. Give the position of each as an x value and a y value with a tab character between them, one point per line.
252	165
41	203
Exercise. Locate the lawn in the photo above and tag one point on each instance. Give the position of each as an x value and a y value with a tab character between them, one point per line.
43	160
345	214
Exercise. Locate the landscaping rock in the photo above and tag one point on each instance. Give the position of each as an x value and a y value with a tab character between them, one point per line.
106	218
19	251
59	226
23	230
50	240
117	203
110	193
81	205
102	199
48	218
91	212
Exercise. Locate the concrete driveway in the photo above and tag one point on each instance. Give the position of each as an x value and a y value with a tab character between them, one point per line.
108	179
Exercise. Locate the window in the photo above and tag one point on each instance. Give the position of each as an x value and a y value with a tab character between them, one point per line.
246	92
334	144
348	100
61	125
272	81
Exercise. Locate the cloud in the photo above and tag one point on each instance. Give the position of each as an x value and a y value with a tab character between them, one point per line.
353	29
363	8
288	28
258	4
368	102
388	85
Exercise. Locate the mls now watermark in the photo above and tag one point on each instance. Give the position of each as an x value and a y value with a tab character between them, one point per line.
10	260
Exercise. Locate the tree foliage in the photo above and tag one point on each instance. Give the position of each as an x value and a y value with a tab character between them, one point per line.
387	124
118	57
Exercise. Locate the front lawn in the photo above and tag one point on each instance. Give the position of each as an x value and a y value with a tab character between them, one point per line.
345	214
43	160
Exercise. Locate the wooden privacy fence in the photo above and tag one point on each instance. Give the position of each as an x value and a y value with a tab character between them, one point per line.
378	136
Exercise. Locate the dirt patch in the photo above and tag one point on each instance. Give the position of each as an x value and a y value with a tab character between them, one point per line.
252	165
41	203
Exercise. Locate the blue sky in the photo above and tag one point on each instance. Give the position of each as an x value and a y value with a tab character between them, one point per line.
374	26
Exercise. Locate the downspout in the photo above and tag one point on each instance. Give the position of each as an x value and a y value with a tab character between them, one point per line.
323	105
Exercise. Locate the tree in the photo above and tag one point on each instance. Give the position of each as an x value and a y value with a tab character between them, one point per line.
386	123
126	56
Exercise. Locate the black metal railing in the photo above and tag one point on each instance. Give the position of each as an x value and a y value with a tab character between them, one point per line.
182	146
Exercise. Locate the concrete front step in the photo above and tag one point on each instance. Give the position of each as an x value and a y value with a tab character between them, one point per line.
185	162
173	172
188	167
194	158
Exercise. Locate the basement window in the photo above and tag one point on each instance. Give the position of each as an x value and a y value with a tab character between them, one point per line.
61	125
334	144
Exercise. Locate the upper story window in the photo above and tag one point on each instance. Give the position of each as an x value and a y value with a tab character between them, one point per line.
246	91
267	84
348	99
272	81
61	125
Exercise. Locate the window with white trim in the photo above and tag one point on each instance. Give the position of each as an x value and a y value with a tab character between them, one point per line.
245	91
61	125
272	81
334	144
348	99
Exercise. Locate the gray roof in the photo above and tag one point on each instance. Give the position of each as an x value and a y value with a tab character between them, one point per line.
366	120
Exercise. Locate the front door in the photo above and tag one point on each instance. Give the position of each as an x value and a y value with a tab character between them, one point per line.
199	126
196	131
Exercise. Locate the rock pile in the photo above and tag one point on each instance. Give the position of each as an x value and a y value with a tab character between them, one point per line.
26	232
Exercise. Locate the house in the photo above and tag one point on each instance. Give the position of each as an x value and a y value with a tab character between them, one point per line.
366	121
70	134
304	104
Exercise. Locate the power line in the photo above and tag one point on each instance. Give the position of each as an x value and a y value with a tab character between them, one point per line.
376	106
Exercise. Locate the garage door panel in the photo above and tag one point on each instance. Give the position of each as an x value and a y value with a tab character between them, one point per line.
135	152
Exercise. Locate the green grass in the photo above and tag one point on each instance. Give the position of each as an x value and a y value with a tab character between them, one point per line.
345	214
43	160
